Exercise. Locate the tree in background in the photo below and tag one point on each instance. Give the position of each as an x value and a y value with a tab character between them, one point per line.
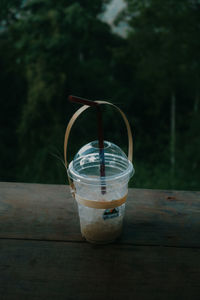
13	90
64	49
163	47
50	49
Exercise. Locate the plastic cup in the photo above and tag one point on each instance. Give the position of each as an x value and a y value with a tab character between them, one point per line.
101	214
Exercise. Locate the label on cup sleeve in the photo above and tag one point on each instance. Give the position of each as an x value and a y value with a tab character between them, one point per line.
111	213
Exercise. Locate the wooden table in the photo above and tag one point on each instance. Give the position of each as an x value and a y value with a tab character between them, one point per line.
43	256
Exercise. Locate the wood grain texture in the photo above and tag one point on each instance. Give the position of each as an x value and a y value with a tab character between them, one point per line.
43	256
65	270
37	211
48	212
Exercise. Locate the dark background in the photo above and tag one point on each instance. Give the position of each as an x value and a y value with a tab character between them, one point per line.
51	49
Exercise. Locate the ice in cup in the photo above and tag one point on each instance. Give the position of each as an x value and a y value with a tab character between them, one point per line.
101	200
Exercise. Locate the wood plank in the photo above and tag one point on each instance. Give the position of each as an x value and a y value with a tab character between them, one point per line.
163	218
38	211
65	270
48	212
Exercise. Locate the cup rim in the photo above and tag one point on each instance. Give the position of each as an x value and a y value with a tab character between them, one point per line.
96	180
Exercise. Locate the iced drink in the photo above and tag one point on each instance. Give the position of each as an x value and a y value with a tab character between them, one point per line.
101	215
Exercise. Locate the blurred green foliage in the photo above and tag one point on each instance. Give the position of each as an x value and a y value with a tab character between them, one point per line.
50	49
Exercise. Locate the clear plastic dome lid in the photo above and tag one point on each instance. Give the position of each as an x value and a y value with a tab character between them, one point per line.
85	166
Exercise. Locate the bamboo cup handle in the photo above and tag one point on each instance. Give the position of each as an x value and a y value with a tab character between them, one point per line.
80	111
